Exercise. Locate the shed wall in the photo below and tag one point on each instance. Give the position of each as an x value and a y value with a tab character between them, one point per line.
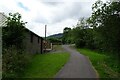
34	46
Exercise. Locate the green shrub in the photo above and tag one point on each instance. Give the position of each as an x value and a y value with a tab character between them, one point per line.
13	33
14	62
80	43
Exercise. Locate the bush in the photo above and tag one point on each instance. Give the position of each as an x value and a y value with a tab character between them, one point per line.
14	62
80	43
13	33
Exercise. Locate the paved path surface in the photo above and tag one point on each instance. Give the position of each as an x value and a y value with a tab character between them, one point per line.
78	66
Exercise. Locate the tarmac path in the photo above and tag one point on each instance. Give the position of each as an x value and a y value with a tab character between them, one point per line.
78	66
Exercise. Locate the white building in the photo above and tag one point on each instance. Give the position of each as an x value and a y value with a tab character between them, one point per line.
2	19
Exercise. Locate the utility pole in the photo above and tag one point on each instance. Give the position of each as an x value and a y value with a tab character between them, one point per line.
45	37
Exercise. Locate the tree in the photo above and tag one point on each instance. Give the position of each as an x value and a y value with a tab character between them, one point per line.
13	33
82	23
66	35
105	21
14	58
79	32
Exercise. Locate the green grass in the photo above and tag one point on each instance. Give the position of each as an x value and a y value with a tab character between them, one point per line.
57	47
106	65
46	65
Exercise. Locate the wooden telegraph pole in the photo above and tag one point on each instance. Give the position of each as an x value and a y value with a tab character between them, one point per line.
45	37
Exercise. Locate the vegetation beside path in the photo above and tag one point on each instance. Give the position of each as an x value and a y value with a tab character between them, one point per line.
99	32
46	65
106	65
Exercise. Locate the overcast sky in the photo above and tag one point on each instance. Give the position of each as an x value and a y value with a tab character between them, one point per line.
56	14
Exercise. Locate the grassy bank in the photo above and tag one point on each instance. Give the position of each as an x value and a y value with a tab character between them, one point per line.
58	48
46	65
106	65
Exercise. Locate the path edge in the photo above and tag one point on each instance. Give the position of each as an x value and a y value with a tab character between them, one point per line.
93	67
55	76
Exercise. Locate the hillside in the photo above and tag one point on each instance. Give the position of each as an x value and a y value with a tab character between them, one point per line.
59	35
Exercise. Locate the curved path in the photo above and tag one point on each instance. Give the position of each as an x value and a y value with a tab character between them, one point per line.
78	66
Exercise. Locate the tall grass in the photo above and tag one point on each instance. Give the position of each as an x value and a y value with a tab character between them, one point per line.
14	62
106	65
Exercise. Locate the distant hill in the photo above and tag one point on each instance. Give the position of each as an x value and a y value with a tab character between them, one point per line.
59	35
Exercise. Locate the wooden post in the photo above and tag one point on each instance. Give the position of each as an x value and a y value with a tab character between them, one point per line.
51	46
45	36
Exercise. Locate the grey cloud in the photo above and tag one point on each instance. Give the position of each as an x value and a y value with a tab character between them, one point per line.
72	11
53	3
75	11
41	20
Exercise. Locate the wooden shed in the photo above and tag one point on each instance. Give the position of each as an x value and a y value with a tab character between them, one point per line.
33	42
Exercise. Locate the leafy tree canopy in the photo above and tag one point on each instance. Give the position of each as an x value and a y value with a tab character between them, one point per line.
13	33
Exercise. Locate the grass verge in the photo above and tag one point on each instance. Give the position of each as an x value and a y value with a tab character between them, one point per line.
106	65
57	48
46	65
